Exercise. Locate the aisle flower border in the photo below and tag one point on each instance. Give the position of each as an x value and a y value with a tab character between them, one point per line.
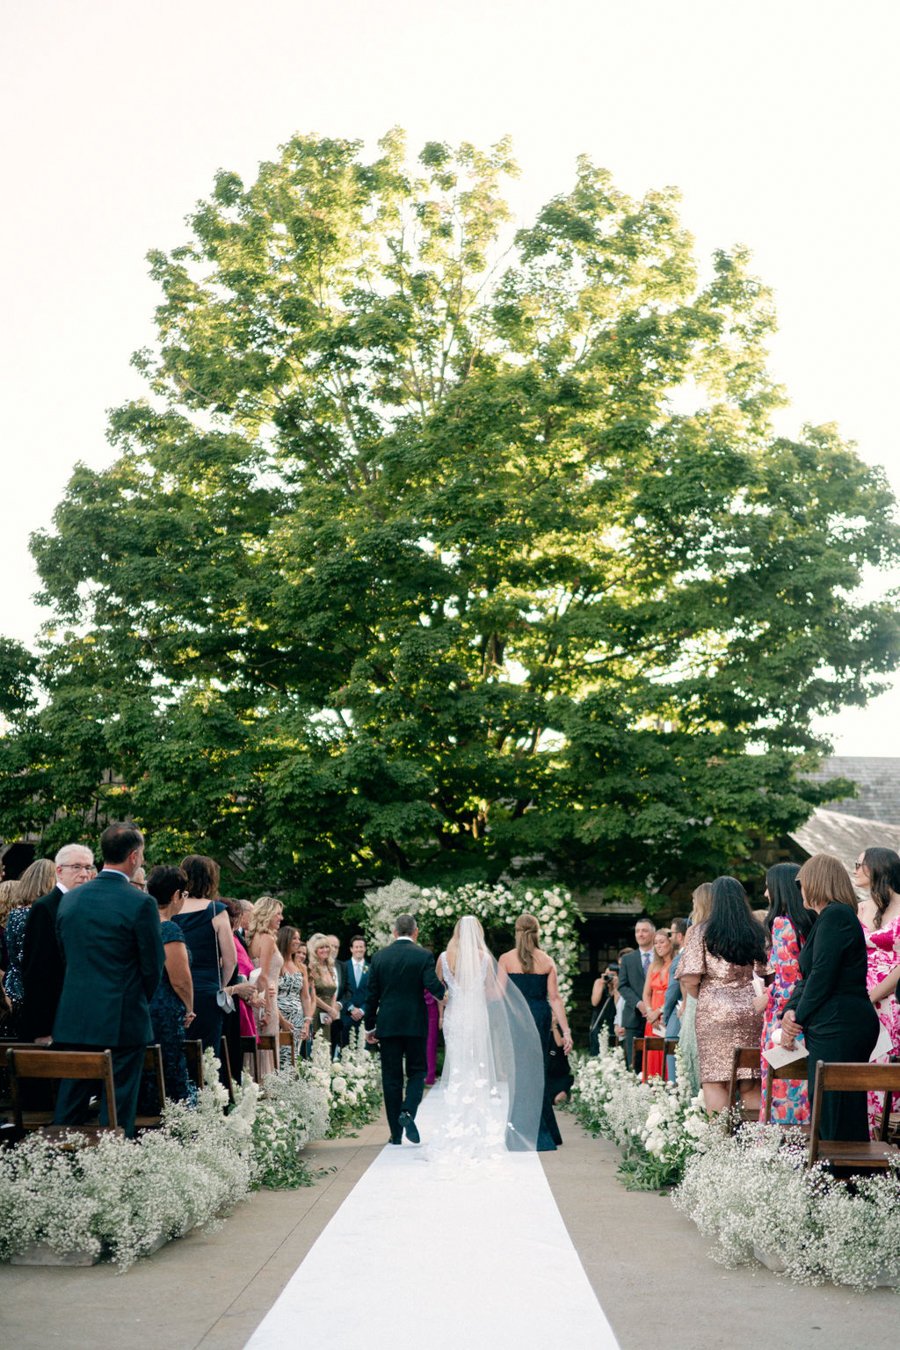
751	1191
124	1198
437	910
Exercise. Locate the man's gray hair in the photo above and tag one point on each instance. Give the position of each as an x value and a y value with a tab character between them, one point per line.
405	925
67	853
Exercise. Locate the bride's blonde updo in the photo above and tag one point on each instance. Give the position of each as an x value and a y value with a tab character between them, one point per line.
527	934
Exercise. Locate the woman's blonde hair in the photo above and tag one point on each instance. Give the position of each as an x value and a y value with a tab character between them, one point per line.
8	892
312	946
528	932
38	879
702	899
825	881
261	917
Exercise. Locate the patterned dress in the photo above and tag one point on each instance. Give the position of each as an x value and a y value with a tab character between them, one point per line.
882	959
15	941
290	1005
790	1099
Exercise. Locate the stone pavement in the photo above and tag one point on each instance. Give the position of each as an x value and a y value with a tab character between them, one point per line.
647	1263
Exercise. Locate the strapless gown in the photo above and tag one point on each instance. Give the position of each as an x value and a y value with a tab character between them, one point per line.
533	987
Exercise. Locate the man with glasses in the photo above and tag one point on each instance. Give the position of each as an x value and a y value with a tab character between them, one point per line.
42	963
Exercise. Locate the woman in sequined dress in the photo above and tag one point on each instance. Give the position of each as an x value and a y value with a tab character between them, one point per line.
718	962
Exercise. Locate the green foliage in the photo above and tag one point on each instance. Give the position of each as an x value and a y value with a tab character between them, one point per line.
423	557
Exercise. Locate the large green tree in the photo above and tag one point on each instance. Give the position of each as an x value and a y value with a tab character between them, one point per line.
435	546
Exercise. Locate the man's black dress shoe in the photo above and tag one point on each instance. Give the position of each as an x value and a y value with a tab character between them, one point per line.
408	1125
392	1140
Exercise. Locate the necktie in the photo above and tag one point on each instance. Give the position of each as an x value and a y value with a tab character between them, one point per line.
645	958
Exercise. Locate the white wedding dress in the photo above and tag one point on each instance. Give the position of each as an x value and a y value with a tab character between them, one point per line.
491	1089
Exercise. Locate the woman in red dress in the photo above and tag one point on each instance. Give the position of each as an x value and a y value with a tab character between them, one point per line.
654	997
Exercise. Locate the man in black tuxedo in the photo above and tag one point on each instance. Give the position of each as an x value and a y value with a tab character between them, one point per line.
355	988
42	961
110	936
397	1018
632	974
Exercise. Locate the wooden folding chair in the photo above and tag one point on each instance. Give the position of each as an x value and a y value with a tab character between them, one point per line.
64	1064
225	1068
797	1070
852	1156
744	1057
264	1043
250	1047
645	1044
10	1133
193	1055
153	1065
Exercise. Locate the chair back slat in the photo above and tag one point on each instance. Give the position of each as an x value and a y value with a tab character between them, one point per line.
41	1062
850	1155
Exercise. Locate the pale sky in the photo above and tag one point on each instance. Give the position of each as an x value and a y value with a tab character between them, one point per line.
778	121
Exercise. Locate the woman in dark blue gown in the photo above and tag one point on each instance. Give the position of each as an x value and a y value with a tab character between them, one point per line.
534	975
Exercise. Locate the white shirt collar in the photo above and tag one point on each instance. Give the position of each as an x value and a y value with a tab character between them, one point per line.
61	886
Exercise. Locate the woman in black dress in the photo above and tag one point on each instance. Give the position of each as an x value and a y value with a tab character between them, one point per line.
172	1006
206	926
534	974
831	1004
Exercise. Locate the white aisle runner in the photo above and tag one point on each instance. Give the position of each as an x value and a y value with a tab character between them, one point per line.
482	1262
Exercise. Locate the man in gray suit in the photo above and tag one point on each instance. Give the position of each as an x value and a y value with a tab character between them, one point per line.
670	1019
632	973
109	932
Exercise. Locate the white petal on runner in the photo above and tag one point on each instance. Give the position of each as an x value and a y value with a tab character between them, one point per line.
491	1263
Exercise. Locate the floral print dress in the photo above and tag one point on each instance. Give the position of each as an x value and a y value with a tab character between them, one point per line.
882	960
790	1099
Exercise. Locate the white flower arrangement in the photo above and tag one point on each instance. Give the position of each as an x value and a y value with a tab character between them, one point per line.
753	1194
437	910
123	1197
657	1125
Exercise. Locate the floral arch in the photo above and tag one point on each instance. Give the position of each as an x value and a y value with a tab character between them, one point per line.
437	911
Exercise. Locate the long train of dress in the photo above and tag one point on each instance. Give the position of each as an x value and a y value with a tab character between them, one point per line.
492	1260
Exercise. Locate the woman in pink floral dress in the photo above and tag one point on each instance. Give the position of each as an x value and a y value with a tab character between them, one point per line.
788	923
877	873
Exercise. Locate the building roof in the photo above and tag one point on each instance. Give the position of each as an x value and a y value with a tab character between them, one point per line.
837	832
878	781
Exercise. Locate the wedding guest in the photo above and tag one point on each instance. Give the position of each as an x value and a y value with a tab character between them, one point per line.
38	879
355	987
718	962
788	923
42	963
831	1003
336	1028
701	901
877	875
671	1014
110	935
172	1006
292	992
242	1021
140	879
265	922
324	980
204	921
534	973
302	959
604	996
654	996
619	1026
633	970
8	891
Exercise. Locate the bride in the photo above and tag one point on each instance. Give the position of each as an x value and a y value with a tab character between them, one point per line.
491	1090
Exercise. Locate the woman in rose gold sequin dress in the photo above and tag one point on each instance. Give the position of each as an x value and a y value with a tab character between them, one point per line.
718	962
